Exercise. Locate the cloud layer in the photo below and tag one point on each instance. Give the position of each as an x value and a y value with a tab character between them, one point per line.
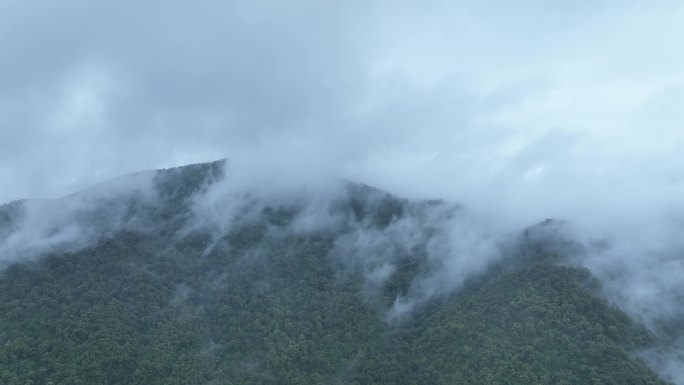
532	110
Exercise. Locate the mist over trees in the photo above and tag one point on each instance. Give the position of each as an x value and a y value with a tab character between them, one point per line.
191	277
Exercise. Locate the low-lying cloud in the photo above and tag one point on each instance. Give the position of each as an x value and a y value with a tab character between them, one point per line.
372	232
32	228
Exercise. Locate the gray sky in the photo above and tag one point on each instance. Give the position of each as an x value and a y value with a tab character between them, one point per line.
527	108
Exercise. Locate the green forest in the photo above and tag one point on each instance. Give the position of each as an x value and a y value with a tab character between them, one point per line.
258	306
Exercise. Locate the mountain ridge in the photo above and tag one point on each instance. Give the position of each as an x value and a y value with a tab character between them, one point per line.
365	288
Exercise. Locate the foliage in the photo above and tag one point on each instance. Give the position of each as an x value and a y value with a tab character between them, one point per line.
262	305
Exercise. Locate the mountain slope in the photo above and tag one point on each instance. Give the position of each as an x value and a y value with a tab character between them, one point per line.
267	299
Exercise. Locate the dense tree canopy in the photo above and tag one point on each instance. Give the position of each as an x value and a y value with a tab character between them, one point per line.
257	306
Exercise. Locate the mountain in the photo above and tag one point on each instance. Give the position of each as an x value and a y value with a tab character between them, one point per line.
183	276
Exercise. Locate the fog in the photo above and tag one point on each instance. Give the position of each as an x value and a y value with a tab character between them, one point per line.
518	111
529	110
32	228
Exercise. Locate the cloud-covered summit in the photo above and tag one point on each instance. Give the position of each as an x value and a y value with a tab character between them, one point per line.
531	109
521	111
434	246
208	205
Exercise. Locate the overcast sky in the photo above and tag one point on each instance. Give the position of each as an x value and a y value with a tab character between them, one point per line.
533	108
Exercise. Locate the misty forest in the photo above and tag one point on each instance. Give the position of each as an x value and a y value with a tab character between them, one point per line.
363	192
183	276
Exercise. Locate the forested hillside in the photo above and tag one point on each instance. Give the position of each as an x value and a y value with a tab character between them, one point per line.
174	301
